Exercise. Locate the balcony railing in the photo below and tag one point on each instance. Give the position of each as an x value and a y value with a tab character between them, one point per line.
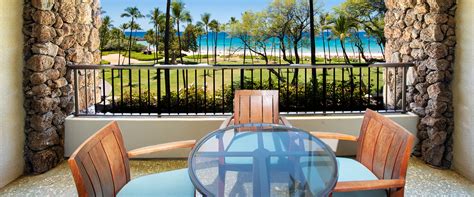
161	90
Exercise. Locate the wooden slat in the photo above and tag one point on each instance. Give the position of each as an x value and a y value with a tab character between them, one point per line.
256	106
392	157
93	176
244	110
337	136
397	168
276	103
256	109
83	182
116	161
368	145
118	136
162	147
381	151
268	110
348	186
102	165
363	129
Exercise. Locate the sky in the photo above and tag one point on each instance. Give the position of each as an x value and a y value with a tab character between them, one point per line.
221	10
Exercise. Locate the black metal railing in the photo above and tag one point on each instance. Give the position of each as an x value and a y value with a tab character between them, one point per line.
208	90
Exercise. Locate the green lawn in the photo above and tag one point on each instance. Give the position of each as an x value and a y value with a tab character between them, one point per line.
140	78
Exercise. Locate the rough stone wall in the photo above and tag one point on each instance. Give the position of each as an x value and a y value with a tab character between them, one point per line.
423	31
57	33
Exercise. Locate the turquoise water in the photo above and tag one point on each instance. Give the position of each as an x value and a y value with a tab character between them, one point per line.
370	43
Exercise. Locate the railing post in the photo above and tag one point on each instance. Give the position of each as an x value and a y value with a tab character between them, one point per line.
404	90
76	93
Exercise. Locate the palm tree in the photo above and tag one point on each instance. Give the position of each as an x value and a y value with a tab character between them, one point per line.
206	19
157	19
105	33
324	22
133	13
117	34
232	22
180	15
122	27
214	25
199	32
342	28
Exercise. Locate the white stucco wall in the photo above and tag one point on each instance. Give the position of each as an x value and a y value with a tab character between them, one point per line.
464	90
11	92
139	132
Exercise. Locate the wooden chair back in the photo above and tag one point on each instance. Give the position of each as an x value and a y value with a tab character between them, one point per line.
256	106
384	146
100	165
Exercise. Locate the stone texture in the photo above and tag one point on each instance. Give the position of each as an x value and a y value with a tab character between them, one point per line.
57	33
427	38
40	63
38	141
43	33
44	17
43	4
45	49
432	33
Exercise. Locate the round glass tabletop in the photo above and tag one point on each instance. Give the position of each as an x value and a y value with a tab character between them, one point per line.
262	160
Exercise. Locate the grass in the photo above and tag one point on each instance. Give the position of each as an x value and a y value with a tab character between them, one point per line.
226	77
104	62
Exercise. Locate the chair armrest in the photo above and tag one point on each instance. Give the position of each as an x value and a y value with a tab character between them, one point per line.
338	136
162	147
348	186
285	121
226	122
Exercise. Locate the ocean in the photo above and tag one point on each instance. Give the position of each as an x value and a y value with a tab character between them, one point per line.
224	40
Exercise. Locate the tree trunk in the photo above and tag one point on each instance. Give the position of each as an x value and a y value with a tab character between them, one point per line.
207	42
215	47
223	50
200	45
120	49
130	43
230	48
348	61
156	44
245	54
179	43
297	59
167	39
283	50
324	48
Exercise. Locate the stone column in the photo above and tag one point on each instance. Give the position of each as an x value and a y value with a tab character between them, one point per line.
423	31
57	33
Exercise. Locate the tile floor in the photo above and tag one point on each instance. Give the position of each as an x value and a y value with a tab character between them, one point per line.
422	180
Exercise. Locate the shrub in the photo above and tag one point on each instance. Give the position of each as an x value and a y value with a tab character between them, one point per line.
293	98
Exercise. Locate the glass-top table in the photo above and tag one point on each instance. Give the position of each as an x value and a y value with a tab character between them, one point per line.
262	160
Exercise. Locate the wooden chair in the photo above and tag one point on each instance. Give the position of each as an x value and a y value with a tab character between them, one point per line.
100	167
256	106
383	151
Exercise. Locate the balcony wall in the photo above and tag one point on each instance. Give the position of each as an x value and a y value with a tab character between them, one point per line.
463	91
143	131
12	136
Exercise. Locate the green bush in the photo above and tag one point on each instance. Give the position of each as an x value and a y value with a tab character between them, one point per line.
293	98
